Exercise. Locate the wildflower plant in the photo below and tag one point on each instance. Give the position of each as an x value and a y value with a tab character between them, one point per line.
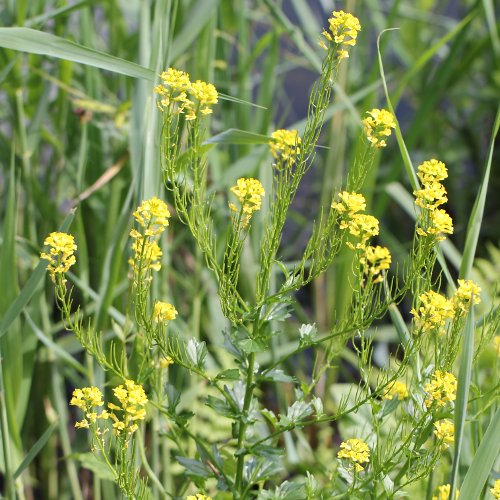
407	425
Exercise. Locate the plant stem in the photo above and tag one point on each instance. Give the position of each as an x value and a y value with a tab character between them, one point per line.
244	421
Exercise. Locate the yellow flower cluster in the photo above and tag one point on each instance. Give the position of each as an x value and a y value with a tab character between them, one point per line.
343	30
444	430
87	399
444	493
378	125
441	389
396	390
198	496
375	260
164	312
432	313
495	491
362	226
463	297
132	399
61	253
152	216
166	361
355	450
249	193
179	95
285	145
436	221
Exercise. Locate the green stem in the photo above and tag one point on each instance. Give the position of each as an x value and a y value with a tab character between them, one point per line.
4	425
238	486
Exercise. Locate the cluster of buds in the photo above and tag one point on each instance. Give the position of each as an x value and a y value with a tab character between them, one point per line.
341	34
249	193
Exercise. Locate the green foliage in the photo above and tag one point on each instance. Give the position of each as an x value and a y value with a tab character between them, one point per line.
285	339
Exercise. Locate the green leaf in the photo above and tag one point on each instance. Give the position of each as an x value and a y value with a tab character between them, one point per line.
194	467
483	461
237	136
99	467
38	42
230	374
35	449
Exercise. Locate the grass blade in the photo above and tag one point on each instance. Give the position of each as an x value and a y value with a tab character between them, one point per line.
483	461
476	216
464	378
237	136
35	449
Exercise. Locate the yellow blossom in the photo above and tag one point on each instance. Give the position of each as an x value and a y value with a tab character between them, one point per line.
350	203
164	312
146	252
166	362
432	171
87	399
355	450
431	195
432	313
375	260
205	95
444	430
444	493
440	223
132	400
495	491
198	496
441	389
378	125
153	216
172	90
396	390
343	30
61	253
463	295
285	144
362	226
249	193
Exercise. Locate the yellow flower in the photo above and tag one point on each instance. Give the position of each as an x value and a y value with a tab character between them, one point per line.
166	362
61	253
495	491
431	196
153	216
343	30
355	450
173	89
147	252
432	313
440	222
444	493
444	430
362	226
249	193
396	390
463	295
432	171
132	399
285	144
198	496
87	399
375	260
205	95
378	125
164	312
441	389
350	203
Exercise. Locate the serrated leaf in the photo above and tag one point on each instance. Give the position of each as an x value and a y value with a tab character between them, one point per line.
195	467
